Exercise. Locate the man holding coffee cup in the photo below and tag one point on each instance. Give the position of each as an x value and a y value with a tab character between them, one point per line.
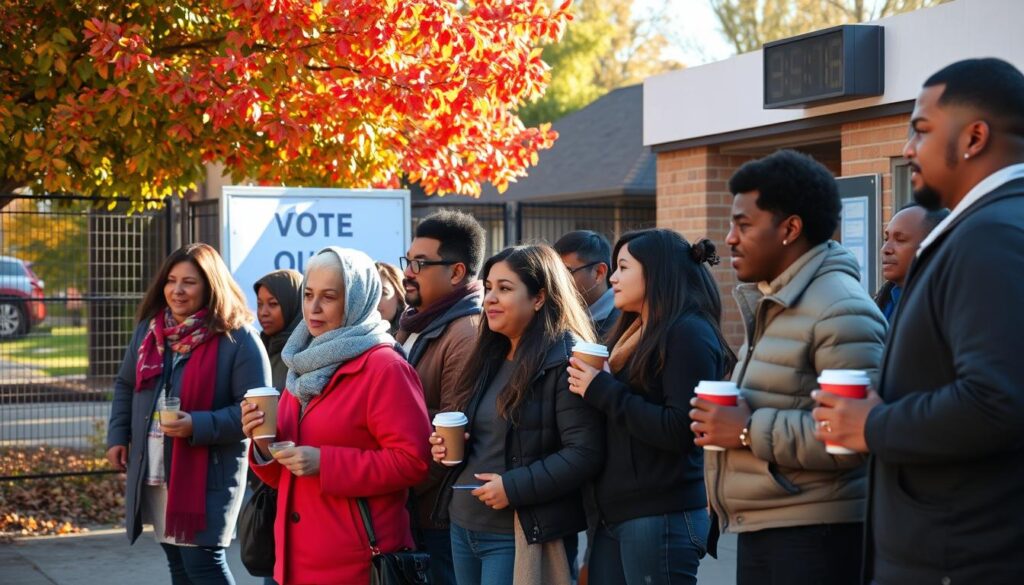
798	509
946	449
439	333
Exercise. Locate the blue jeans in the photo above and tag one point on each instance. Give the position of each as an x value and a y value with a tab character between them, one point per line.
482	558
198	565
439	544
654	550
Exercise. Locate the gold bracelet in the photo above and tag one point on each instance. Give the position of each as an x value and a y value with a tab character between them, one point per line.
745	435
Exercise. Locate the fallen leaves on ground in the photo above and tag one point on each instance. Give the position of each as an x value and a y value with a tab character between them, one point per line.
57	505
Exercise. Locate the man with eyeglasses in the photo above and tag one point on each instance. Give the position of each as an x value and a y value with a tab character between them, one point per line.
438	333
587	255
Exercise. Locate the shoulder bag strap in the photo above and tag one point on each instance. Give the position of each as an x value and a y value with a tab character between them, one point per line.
364	511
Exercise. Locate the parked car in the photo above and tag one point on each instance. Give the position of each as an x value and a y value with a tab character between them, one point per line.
21	294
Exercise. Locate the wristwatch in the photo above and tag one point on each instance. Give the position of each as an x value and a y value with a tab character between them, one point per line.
745	434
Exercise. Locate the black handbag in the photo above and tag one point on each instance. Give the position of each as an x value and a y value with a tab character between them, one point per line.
256	531
405	567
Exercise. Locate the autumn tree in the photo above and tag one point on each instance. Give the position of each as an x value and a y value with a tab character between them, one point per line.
607	45
749	24
132	98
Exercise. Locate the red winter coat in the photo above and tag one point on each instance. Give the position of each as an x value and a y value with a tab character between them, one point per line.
371	426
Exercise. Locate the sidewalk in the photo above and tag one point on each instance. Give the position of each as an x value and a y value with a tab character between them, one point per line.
104	558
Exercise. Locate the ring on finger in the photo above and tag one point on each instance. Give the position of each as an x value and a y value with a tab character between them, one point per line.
825	426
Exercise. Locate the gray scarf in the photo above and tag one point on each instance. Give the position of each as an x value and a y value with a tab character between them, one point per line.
312	361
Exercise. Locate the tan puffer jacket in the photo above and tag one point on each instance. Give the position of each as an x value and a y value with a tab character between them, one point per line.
818	317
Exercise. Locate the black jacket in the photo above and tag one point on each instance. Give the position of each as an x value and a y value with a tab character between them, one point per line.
947	466
652	466
555	447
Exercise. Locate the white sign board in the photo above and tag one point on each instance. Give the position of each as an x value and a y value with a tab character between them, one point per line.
269	228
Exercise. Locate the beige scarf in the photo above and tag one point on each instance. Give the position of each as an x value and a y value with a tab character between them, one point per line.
625	347
539	564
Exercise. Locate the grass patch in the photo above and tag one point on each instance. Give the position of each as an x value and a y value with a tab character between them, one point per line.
63	351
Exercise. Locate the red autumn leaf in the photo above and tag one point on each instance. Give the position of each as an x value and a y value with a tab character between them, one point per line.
356	93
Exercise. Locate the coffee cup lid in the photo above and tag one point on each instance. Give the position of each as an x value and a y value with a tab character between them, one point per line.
264	391
715	388
591	349
844	377
450	419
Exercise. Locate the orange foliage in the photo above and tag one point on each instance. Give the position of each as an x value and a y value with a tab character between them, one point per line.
133	99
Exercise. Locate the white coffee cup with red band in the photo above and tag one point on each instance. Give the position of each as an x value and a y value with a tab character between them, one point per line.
722	393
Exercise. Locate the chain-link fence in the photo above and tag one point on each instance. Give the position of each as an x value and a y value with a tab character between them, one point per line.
71	277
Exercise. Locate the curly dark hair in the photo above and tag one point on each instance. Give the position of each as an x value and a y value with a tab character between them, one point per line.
461	236
793	183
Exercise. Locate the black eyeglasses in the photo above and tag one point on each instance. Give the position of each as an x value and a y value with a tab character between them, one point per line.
578	268
418	264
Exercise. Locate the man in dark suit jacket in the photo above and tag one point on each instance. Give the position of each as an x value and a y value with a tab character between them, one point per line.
946	493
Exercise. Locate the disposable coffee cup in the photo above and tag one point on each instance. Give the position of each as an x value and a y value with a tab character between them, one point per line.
265	399
169	409
451	426
593	354
848	384
723	393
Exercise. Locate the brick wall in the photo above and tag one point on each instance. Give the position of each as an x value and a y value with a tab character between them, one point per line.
694	199
870	146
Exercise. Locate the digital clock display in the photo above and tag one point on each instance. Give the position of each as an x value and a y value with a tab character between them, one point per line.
844	62
813	67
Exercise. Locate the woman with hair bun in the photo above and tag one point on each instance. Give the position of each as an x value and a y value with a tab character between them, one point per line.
648	510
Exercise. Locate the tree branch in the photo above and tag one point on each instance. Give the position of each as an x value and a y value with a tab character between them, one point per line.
184	47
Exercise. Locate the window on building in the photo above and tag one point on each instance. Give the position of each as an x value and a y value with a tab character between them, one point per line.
902	191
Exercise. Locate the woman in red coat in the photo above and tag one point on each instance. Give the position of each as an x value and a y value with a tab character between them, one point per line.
355	410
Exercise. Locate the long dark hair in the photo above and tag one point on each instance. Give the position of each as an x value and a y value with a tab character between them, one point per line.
222	295
677	281
540	269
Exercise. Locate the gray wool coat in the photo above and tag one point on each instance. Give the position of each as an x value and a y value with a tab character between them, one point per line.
241	364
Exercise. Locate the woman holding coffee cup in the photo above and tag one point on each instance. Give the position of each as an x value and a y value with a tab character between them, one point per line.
193	354
279	311
650	520
354	410
534	444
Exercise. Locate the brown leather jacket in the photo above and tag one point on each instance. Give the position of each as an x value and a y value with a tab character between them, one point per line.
440	365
